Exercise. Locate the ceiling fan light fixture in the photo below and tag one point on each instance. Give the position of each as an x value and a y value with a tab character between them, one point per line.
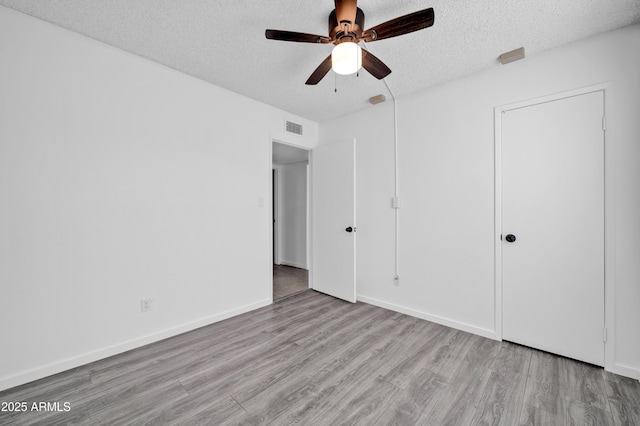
346	58
346	30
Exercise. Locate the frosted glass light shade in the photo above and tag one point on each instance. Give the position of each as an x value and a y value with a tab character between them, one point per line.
346	58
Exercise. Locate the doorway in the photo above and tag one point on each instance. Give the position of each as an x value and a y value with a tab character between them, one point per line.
550	223
290	220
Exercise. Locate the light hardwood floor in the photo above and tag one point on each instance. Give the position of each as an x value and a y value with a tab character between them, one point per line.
315	360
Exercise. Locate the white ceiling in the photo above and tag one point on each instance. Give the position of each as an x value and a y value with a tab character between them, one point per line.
223	41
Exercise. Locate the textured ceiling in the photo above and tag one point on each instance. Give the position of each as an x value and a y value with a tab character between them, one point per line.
223	41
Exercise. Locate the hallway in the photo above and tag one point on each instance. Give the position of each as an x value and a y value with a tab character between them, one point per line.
288	280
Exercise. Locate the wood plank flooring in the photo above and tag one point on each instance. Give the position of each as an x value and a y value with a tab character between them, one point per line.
315	360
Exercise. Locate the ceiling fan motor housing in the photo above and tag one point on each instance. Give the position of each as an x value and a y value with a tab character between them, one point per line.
346	30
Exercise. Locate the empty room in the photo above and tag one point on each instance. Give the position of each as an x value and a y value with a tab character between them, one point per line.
450	188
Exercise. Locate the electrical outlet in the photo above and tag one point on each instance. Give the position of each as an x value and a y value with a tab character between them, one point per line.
396	281
145	305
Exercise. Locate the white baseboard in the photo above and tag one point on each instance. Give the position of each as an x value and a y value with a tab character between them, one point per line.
76	361
623	370
294	264
490	334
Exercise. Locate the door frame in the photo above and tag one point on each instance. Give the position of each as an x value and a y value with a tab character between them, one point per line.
609	213
272	242
274	214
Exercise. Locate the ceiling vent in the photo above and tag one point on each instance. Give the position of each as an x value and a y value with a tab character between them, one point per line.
292	127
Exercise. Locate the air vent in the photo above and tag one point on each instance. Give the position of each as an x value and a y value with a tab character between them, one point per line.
292	127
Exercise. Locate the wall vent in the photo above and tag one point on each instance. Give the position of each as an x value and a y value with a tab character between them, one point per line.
292	127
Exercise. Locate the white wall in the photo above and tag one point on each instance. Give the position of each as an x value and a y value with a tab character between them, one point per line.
121	179
292	214
446	160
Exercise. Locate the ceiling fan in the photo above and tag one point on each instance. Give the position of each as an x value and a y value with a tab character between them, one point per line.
346	23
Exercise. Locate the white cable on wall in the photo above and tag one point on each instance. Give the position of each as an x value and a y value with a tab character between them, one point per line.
396	196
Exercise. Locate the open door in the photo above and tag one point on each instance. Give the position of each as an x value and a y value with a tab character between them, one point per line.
334	220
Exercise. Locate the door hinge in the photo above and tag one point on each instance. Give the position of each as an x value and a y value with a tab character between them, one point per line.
604	335
604	122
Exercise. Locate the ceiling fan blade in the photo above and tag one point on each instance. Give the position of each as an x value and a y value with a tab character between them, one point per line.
375	66
320	72
402	25
298	37
346	11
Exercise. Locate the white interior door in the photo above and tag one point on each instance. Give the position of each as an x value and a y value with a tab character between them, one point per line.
334	220
552	183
